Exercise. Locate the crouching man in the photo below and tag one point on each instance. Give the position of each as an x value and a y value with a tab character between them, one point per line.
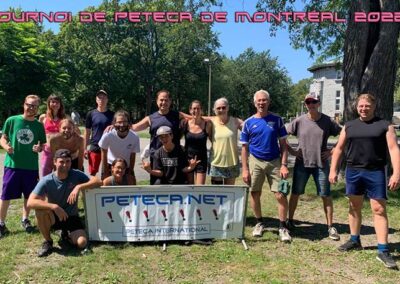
55	200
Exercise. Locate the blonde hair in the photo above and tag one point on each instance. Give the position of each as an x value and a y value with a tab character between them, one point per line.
31	96
367	97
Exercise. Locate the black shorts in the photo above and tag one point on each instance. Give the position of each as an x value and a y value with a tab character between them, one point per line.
202	166
72	224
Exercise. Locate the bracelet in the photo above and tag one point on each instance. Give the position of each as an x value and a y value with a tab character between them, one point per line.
284	164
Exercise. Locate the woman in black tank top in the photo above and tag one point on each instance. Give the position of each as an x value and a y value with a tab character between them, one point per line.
196	136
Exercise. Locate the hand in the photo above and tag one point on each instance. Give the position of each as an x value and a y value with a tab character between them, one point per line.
73	196
108	128
146	166
325	155
61	214
193	163
284	171
86	154
394	183
246	177
9	149
37	148
333	177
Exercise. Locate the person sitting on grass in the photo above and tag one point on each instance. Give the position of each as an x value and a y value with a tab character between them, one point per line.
170	164
118	174
55	202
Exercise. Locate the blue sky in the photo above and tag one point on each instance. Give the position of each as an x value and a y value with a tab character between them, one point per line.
234	37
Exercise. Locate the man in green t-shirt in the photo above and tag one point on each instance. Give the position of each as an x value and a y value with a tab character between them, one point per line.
22	139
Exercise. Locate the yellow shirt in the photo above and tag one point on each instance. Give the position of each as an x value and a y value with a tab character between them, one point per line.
224	143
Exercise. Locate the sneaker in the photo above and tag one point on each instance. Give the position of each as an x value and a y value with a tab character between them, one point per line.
46	249
284	235
258	230
290	225
333	234
3	230
387	260
26	224
350	245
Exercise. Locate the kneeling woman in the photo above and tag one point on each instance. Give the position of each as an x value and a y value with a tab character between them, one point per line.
118	174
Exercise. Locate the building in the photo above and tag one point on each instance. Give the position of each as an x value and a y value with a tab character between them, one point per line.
327	84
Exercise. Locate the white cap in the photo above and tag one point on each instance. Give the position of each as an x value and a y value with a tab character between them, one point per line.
163	130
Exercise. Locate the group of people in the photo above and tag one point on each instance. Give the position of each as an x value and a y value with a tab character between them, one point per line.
111	141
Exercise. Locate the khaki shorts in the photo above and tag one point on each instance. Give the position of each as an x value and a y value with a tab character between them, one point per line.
260	169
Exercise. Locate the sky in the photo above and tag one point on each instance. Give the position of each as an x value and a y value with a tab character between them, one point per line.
234	37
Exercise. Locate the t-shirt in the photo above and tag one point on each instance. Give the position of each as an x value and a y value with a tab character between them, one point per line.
366	143
97	121
171	164
313	137
23	134
57	191
171	119
120	147
262	134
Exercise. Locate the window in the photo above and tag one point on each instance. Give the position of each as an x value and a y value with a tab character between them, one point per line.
337	94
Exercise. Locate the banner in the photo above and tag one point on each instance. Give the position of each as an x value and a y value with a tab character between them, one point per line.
165	212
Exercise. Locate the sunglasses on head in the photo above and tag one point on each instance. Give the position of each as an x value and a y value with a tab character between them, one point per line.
311	102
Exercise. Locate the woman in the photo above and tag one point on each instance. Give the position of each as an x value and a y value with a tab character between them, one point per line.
195	132
118	174
224	157
51	121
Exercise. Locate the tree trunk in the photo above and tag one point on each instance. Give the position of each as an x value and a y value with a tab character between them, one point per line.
370	53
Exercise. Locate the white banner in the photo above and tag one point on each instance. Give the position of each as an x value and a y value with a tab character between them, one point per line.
158	213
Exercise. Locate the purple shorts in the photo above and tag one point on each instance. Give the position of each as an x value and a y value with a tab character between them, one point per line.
17	182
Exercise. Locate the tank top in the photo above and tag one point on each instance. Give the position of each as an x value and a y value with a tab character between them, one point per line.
366	143
171	119
196	143
124	180
224	143
51	126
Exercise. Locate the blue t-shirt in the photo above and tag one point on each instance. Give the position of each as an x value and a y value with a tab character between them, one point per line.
98	121
262	134
57	191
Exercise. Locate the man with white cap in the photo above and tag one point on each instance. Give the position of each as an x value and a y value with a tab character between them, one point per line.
312	158
170	163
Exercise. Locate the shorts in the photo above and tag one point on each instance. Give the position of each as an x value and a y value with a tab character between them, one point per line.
301	175
73	223
220	172
259	169
17	182
361	181
202	166
94	159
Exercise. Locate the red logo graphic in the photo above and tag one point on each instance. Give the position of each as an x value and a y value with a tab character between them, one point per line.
182	214
146	214
215	214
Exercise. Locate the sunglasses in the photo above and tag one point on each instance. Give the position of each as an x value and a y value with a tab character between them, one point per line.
221	108
313	102
31	105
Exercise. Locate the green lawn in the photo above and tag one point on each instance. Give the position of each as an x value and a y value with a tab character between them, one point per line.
310	258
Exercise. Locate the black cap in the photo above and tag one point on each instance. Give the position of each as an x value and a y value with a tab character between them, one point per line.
62	153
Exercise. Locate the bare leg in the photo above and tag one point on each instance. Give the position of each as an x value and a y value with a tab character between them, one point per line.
282	206
293	200
78	238
255	203
355	216
45	219
4	204
378	207
328	209
200	178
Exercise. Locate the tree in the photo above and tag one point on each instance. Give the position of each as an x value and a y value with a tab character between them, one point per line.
369	49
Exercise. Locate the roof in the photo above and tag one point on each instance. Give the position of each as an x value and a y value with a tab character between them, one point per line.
316	67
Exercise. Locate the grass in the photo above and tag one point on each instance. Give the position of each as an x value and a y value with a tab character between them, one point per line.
310	258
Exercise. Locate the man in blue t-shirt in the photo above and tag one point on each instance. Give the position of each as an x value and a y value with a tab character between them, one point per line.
260	135
55	202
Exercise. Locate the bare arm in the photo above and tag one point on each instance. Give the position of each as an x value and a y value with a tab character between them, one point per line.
141	125
337	154
183	115
245	166
81	152
39	202
92	183
394	152
86	136
5	144
284	157
132	169
107	181
104	162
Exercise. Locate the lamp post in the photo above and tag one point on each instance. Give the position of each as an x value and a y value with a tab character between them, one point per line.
207	60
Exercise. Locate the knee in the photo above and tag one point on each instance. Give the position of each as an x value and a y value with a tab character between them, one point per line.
81	242
379	210
41	214
281	198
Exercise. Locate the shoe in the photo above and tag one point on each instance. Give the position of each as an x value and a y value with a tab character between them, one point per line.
258	230
290	225
46	249
284	235
333	234
26	224
387	260
350	245
3	230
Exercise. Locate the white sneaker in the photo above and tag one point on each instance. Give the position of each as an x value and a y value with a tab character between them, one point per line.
284	235
258	230
333	234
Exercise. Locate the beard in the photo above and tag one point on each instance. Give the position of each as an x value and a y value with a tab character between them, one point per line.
122	129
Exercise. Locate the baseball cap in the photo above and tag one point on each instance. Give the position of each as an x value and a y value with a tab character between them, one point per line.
163	130
62	153
101	92
311	96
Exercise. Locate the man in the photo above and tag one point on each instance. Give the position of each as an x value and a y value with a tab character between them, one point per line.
55	202
120	142
367	141
22	139
260	137
170	164
96	121
68	139
312	158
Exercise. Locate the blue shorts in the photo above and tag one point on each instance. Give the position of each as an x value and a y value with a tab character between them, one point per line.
301	175
17	182
361	181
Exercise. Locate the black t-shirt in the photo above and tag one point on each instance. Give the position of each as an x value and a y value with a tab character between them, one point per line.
98	121
171	164
366	143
